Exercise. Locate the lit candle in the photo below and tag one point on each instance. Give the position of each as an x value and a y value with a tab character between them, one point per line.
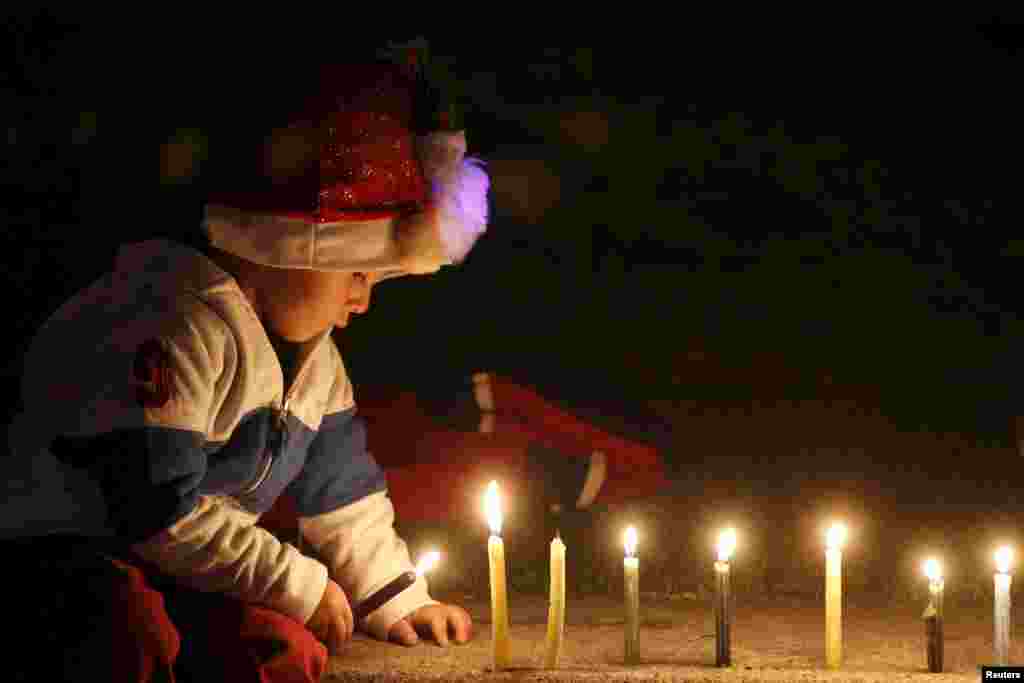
427	562
834	595
1004	556
933	614
396	586
556	609
632	574
499	596
723	608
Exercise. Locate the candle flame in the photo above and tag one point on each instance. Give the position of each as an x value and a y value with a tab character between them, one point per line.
630	541
1004	556
836	536
726	544
492	508
427	562
932	569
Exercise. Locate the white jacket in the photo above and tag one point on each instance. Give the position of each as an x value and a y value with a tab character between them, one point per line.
160	383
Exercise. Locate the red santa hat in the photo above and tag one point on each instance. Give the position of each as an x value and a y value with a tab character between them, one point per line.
352	187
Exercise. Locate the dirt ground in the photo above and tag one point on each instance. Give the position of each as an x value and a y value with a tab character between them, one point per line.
772	641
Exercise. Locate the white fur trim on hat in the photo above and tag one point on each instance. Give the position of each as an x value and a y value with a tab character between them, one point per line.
375	245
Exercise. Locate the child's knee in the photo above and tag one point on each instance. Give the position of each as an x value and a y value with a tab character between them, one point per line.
101	621
278	644
141	623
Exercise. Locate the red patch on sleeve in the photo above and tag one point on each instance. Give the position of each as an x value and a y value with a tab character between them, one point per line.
152	374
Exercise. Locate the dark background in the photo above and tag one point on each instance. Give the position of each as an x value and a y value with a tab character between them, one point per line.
795	251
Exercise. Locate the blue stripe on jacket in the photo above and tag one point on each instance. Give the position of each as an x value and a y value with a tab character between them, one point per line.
338	470
150	477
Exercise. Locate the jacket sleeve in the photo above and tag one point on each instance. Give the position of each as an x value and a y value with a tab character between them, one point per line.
206	543
346	515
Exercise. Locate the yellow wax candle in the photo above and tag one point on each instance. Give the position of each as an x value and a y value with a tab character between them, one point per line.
631	567
834	596
556	610
499	598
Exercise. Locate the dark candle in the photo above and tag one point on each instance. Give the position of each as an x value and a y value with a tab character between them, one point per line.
390	590
723	599
933	616
723	615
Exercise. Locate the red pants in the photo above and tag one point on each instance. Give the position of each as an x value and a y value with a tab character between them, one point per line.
104	619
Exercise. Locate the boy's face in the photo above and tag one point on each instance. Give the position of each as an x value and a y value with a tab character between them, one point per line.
300	304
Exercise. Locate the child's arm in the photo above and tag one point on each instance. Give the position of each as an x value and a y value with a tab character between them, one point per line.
207	543
363	553
216	548
347	517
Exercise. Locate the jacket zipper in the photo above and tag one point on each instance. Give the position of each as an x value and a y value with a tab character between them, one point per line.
281	437
281	433
282	425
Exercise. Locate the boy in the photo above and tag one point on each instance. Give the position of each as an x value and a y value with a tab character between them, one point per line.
185	391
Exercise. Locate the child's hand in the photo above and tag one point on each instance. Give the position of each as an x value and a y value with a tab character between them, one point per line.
437	622
332	621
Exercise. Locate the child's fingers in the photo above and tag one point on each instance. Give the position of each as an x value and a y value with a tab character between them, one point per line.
439	627
336	639
461	625
403	633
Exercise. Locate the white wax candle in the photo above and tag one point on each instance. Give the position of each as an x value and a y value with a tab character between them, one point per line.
556	609
1002	606
631	570
1002	618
